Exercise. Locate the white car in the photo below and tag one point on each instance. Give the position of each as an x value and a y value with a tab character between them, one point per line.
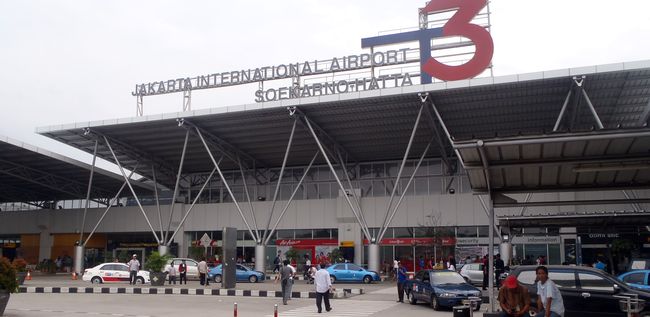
192	267
113	273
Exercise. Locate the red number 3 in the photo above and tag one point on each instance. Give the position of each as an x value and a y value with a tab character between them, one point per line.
459	24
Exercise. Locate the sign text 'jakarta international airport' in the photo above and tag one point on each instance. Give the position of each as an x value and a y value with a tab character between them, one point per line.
458	25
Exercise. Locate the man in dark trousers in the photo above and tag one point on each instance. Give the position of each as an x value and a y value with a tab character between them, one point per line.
323	285
486	272
499	268
401	280
286	274
182	272
134	267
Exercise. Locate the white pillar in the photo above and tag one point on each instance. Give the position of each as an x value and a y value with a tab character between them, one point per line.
260	258
163	249
78	259
373	257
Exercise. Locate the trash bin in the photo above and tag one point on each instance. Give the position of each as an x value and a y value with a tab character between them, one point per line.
462	311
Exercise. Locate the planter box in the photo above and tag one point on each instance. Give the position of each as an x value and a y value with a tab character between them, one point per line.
157	278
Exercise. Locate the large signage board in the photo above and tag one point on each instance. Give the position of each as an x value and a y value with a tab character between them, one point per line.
459	24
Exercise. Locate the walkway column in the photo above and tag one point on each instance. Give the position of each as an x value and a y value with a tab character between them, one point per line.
373	257
260	258
78	259
163	249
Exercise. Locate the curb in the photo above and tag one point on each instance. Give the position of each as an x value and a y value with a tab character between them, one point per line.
343	293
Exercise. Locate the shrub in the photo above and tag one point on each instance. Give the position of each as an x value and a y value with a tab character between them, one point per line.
20	265
156	262
8	276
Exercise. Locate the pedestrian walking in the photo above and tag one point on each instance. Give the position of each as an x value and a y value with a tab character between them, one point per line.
323	285
486	272
134	267
182	272
401	280
171	273
203	272
549	298
285	274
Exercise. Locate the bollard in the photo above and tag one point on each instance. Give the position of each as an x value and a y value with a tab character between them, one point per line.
275	312
235	313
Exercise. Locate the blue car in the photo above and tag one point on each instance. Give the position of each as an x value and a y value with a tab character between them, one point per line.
638	279
348	272
243	274
441	288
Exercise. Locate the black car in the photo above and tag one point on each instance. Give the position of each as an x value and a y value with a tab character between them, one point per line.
585	291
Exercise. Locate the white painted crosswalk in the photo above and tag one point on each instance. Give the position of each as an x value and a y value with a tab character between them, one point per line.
341	308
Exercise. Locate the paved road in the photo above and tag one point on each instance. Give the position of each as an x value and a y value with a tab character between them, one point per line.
378	300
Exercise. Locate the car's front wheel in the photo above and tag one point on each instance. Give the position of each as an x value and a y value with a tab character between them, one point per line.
217	278
434	303
252	279
367	279
411	298
477	308
96	280
139	280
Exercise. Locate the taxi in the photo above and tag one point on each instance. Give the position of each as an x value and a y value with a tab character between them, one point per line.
113	272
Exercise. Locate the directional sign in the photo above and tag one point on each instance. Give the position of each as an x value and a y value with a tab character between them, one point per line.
206	240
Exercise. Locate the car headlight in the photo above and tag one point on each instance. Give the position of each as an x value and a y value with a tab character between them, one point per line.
447	295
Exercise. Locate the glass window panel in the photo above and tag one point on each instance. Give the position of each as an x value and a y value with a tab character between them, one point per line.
388	184
405	255
321	233
311	191
563	279
300	193
435	185
423	170
635	278
466	232
421	186
423	232
445	231
554	254
594	282
285	234
527	277
435	168
353	267
324	173
339	267
403	232
535	250
378	170
285	191
466	187
391	170
378	189
483	231
365	170
335	233
366	188
303	233
409	191
534	230
324	191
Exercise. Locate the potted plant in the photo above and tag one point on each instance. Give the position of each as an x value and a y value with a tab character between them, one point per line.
21	269
8	283
155	264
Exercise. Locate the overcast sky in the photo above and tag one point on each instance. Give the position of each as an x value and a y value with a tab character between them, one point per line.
72	61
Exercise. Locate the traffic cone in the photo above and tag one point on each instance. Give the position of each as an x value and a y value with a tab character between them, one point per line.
74	275
29	276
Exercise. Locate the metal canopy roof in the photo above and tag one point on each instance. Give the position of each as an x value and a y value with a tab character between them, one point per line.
32	174
591	219
375	125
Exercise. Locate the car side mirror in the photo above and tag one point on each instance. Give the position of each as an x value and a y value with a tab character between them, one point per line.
617	288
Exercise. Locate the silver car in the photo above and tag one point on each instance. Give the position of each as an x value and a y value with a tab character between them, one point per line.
473	273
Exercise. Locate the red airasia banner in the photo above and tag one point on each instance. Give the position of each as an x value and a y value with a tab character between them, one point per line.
305	242
414	241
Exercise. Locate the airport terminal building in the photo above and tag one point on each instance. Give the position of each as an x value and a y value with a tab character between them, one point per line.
398	167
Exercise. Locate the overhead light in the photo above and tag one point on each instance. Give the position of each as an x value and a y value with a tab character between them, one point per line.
611	168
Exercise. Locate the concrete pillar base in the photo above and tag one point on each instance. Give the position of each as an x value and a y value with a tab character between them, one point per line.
260	257
163	249
78	259
373	257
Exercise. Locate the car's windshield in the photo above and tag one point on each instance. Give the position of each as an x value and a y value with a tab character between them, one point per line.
447	278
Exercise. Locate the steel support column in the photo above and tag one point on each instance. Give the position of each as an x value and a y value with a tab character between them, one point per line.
277	186
225	183
491	216
178	180
562	111
128	183
90	184
593	110
399	172
250	204
155	189
365	230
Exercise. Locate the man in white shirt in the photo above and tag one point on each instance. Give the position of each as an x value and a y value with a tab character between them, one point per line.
291	278
549	298
203	272
323	285
134	267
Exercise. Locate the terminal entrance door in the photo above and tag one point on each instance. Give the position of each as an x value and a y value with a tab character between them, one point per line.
124	255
